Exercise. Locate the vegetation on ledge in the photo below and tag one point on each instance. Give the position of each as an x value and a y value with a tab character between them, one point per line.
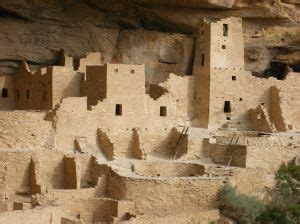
284	207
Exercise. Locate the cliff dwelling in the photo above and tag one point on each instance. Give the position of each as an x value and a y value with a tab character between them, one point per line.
92	140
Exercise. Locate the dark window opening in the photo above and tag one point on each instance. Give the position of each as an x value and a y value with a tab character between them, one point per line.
262	104
4	92
27	94
17	94
241	99
132	71
76	63
202	59
44	95
118	109
225	30
163	111
233	78
228	118
227	107
223	46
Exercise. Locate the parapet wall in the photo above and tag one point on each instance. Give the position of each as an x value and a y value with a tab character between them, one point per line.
262	152
164	193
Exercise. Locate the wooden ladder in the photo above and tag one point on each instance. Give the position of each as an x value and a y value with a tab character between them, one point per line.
232	148
180	139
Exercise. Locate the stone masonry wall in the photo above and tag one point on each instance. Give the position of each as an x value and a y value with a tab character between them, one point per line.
164	193
23	129
42	214
65	83
263	152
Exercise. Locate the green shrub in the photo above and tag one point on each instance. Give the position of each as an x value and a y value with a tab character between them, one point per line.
295	211
294	170
285	207
284	175
242	208
275	215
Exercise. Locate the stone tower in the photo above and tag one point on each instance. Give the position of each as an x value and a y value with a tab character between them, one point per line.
219	51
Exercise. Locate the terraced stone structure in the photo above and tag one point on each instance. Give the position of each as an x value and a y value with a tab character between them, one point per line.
93	142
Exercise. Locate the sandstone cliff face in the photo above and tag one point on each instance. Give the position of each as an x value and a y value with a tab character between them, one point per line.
158	33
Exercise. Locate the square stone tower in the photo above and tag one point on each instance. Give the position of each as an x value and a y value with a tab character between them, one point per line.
219	56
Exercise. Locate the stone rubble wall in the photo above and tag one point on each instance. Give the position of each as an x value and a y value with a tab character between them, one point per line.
164	193
22	129
44	214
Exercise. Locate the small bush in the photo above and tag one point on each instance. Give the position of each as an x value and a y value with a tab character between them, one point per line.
295	211
275	215
294	170
284	175
242	208
285	207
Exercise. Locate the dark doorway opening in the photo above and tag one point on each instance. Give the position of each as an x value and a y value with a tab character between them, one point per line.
163	111
17	97
118	109
4	92
27	94
227	107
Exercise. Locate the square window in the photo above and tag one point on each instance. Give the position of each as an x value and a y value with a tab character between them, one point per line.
163	111
4	92
116	70
132	71
118	109
241	99
233	78
223	46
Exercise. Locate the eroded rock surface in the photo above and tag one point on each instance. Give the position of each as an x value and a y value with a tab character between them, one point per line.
157	33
